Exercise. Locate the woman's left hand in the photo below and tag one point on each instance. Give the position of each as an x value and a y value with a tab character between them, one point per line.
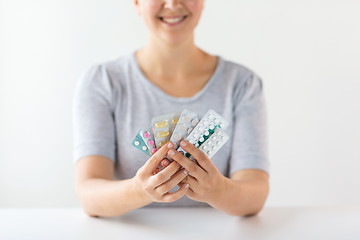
206	182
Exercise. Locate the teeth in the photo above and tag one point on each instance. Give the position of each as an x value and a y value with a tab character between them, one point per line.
172	20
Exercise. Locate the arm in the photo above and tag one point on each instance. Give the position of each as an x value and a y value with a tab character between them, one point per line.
100	195
245	193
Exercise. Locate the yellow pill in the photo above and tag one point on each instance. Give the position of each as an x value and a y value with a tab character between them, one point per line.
174	121
163	143
161	124
163	134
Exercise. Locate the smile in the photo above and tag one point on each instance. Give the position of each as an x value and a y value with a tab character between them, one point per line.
172	20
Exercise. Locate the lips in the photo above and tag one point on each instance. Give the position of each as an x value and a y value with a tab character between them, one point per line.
173	19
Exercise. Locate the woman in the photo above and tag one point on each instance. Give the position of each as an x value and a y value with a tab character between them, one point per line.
115	99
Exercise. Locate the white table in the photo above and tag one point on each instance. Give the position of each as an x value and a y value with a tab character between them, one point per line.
288	223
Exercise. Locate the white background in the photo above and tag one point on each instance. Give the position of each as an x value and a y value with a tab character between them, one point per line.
307	52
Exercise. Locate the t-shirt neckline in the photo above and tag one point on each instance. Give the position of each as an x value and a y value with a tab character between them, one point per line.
161	93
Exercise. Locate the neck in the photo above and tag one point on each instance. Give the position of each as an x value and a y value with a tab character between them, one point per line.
170	59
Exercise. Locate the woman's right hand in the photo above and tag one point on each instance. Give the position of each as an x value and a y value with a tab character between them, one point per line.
156	187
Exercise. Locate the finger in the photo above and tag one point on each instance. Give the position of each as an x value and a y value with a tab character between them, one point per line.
165	163
155	159
193	182
165	174
171	197
199	155
174	180
189	165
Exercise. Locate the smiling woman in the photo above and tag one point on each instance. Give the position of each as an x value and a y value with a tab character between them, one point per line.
170	73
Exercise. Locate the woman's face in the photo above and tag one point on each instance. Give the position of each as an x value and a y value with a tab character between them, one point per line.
173	21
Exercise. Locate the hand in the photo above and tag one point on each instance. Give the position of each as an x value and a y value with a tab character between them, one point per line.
205	180
156	187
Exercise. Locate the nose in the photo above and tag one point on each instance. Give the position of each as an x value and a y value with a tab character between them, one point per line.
171	3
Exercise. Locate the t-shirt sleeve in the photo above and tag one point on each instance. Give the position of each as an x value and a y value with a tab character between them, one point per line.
93	118
249	149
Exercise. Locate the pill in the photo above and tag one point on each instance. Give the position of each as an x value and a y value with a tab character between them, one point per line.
211	127
197	145
163	143
206	133
201	128
151	142
136	143
194	122
210	142
201	139
163	134
216	121
181	128
192	141
161	124
196	135
174	121
189	130
222	125
206	123
185	119
204	147
144	148
177	137
146	134
211	116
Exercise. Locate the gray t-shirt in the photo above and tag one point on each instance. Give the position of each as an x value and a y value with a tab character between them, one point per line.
114	100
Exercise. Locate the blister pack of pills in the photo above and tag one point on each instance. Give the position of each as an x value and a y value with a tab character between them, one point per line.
163	127
205	129
214	142
187	122
140	144
149	140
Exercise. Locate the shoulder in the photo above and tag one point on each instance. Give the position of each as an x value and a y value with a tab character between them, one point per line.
240	76
108	73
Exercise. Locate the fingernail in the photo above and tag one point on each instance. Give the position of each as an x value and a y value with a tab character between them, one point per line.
183	143
169	145
185	172
165	163
172	152
186	185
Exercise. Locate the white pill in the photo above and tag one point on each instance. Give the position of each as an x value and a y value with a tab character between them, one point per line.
209	152
201	139
211	116
222	125
197	145
189	130
213	147
192	141
136	143
204	147
216	121
214	138
218	133
185	119
201	128
182	128
194	122
206	133
144	148
206	123
196	135
211	127
210	142
177	137
217	142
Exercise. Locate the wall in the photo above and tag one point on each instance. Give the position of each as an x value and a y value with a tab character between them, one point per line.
307	53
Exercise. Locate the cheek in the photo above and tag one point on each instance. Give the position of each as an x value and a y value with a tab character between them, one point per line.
196	7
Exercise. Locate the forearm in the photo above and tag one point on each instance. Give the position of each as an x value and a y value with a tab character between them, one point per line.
107	198
241	197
